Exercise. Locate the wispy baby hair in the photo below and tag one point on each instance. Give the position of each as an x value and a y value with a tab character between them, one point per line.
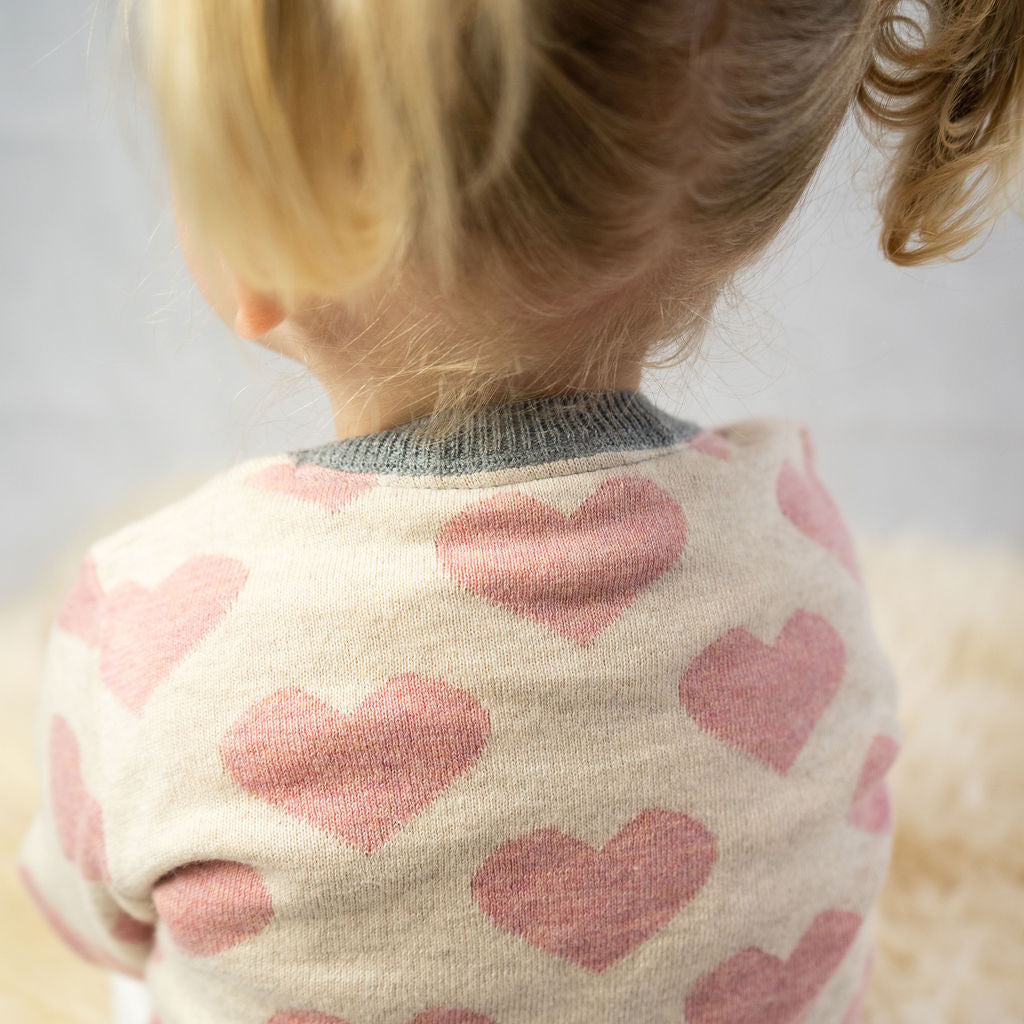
577	180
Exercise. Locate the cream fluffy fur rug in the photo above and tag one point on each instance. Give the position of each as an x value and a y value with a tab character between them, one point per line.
950	923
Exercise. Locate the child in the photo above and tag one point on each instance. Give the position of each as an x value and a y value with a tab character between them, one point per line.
521	701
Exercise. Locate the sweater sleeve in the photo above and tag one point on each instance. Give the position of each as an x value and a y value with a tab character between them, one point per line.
63	859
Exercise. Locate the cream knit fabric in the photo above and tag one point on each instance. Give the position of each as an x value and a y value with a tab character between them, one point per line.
576	718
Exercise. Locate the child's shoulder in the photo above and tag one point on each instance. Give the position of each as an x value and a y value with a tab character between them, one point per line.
758	441
761	431
201	517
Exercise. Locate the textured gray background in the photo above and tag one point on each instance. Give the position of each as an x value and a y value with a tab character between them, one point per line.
117	379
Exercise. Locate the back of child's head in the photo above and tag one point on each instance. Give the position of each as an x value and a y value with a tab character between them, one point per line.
582	176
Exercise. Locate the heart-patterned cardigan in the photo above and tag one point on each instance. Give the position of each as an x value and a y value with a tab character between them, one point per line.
574	716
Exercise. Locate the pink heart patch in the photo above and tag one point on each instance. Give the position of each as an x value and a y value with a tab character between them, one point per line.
804	501
362	775
146	633
77	814
870	808
711	442
754	986
574	574
331	488
209	906
766	700
594	906
78	613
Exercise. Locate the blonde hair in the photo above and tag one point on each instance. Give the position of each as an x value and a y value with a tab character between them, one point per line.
590	171
956	95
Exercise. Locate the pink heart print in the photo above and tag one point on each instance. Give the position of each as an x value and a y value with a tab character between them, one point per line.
755	986
576	573
331	488
146	633
766	700
78	612
364	774
594	906
77	814
712	442
431	1016
209	906
870	808
804	500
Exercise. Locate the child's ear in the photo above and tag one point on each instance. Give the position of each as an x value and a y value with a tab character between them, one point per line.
257	313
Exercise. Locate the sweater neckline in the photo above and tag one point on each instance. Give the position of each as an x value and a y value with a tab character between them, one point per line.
515	434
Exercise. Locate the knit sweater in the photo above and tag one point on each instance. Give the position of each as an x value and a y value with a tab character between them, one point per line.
575	717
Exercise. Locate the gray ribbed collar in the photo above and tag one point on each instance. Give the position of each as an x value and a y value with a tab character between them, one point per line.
514	434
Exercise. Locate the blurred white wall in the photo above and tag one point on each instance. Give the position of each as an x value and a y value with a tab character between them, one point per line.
116	377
